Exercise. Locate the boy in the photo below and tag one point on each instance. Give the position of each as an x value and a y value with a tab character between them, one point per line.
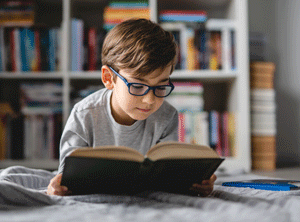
138	57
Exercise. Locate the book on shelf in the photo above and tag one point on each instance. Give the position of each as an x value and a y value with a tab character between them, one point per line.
117	12
226	29
266	184
16	13
11	133
41	106
213	128
222	132
203	47
6	114
168	166
30	49
2	51
77	49
179	31
41	134
187	96
183	16
92	49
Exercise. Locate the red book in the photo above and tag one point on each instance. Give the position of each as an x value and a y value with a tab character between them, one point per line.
12	50
37	49
183	12
225	142
92	49
181	128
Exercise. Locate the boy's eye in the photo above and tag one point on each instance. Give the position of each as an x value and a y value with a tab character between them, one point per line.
135	86
161	88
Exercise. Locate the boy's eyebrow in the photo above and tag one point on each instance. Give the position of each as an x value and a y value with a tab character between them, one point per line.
143	80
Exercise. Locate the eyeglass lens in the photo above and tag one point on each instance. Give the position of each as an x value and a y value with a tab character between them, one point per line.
137	89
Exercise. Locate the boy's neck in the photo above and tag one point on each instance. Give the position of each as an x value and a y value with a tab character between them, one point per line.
118	118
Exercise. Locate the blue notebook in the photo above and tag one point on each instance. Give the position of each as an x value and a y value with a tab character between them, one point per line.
266	184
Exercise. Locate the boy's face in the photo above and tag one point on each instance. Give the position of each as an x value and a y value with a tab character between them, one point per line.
127	108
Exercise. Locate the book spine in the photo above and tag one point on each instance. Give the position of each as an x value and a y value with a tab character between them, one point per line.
12	50
92	52
191	50
181	127
2	51
37	51
52	49
74	48
23	50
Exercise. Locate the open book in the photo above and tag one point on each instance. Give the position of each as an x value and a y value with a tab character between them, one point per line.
167	166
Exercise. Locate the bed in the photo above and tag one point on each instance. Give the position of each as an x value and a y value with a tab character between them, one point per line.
23	198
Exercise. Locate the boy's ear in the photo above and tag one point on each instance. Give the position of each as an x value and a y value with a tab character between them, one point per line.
107	77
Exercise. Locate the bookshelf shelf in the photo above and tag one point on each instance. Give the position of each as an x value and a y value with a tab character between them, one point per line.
204	75
235	83
86	75
31	75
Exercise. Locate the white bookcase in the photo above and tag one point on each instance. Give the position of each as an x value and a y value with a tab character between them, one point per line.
226	89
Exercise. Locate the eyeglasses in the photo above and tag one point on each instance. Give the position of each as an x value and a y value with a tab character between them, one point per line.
139	89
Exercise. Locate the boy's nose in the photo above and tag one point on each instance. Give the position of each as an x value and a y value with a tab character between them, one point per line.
149	97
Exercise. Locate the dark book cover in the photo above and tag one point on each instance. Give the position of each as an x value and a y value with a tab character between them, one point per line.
84	175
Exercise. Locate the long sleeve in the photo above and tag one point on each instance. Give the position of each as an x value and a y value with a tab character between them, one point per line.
73	136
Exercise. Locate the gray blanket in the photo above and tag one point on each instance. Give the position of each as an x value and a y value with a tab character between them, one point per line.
23	198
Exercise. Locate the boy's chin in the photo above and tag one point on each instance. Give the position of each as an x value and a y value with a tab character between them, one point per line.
140	117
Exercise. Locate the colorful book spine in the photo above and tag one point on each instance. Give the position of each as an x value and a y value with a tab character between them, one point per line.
2	51
181	127
77	49
17	54
36	66
92	49
52	49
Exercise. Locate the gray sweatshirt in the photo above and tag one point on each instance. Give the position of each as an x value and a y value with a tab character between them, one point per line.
91	124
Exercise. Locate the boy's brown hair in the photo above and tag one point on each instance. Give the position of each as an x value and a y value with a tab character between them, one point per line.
139	45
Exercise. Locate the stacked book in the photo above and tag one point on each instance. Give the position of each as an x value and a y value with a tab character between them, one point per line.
116	12
263	116
204	46
16	13
86	46
195	125
183	16
24	49
187	98
41	107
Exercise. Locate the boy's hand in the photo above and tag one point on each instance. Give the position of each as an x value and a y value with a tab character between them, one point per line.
206	187
54	187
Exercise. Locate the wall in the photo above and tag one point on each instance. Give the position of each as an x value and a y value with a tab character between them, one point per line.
279	21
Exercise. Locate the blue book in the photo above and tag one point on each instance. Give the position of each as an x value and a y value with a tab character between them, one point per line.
23	50
128	4
266	184
52	49
213	128
74	47
183	18
77	50
45	49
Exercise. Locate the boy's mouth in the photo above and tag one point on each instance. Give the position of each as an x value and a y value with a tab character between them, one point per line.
144	110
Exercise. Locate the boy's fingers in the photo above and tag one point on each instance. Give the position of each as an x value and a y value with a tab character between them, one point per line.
213	178
55	188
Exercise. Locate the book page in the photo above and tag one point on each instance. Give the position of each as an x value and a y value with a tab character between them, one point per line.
175	150
109	152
